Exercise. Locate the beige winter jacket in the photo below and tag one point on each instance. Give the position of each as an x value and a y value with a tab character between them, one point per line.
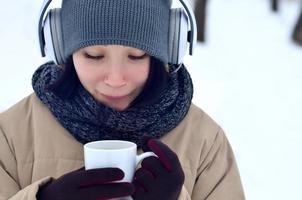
34	148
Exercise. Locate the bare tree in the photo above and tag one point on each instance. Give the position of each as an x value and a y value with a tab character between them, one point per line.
275	5
297	32
200	14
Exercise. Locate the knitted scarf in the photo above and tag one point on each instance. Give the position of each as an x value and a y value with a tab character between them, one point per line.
89	120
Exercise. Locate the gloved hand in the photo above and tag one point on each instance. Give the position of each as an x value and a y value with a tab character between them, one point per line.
159	177
94	184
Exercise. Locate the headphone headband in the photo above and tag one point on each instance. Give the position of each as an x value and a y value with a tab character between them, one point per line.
193	32
40	26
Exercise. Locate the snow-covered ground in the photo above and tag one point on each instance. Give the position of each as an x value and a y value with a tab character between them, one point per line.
247	76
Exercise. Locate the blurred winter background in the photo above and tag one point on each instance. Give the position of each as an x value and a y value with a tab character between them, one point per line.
247	76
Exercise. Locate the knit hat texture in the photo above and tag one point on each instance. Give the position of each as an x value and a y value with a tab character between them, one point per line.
143	24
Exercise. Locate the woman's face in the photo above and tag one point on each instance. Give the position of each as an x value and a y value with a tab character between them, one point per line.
113	74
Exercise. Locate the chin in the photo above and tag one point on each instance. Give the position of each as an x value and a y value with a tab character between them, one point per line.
119	108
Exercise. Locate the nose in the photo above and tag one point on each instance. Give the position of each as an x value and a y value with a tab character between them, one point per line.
115	77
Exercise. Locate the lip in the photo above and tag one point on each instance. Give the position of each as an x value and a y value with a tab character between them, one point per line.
114	98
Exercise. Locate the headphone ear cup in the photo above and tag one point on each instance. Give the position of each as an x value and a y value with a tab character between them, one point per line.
53	36
178	35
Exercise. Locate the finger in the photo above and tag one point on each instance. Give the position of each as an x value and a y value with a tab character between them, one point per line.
139	190
164	153
154	166
144	142
144	178
108	191
99	176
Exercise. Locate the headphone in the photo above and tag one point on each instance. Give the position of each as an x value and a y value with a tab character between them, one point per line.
182	30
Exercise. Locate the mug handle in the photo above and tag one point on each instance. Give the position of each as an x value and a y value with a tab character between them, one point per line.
139	158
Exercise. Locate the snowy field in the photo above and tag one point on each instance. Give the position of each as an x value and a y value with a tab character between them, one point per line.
247	76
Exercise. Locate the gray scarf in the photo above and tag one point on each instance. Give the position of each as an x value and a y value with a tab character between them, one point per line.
89	120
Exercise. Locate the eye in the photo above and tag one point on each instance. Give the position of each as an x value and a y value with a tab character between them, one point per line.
137	57
93	57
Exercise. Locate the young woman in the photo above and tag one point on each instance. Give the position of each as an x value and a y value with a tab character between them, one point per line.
114	83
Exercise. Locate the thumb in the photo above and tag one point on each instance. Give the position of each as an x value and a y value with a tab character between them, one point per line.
164	153
144	142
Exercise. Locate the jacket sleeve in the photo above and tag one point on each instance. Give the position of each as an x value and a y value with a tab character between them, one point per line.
9	184
218	176
184	195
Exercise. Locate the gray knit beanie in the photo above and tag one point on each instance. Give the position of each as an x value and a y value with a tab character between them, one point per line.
143	24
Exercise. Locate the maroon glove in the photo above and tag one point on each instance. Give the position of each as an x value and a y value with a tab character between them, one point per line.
94	184
159	177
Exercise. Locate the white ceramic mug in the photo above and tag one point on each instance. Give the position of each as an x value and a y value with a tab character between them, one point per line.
114	153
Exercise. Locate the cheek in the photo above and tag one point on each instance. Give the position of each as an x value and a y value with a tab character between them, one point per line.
140	76
86	76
